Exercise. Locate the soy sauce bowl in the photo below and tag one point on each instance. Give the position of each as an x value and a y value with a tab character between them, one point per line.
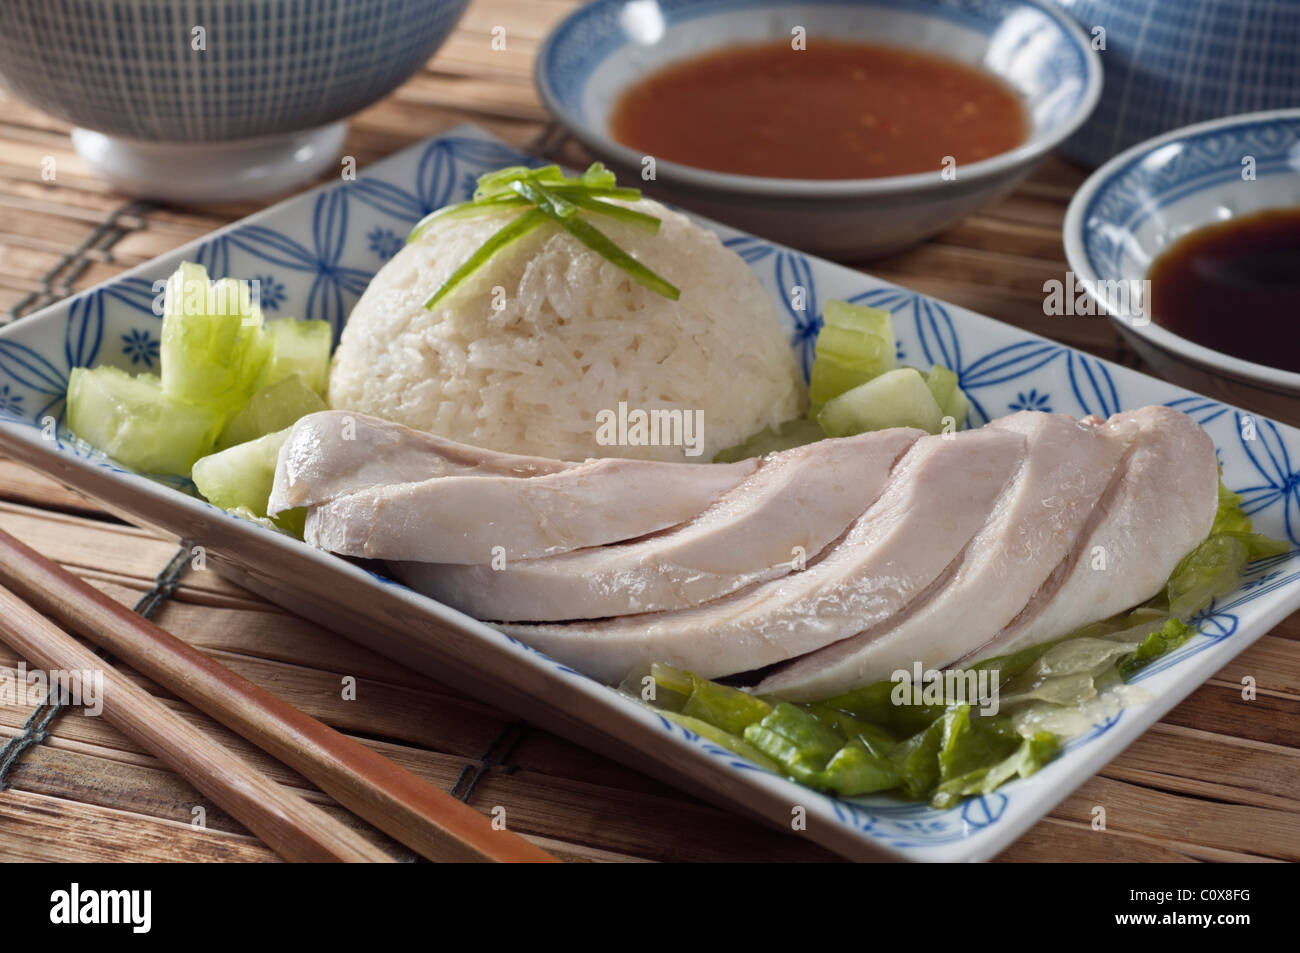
605	47
1142	201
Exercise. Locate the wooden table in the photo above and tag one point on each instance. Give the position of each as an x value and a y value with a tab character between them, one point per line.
1215	780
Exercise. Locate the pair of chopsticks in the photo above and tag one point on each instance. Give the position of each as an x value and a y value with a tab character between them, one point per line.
413	812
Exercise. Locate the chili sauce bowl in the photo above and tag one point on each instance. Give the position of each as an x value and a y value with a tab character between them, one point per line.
601	50
1145	199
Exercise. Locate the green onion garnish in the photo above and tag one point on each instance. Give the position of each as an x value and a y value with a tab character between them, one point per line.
559	199
517	229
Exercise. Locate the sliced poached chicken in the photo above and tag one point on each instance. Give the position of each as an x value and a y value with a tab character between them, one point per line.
1160	507
939	495
479	518
332	453
770	524
957	547
1035	524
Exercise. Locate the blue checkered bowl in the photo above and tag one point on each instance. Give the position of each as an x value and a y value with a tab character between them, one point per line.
1174	62
183	71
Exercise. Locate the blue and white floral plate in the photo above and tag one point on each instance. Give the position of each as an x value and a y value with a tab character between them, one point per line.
314	255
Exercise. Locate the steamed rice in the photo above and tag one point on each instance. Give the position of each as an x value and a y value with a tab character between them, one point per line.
527	354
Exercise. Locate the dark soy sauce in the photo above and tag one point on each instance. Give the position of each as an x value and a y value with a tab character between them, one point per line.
1235	287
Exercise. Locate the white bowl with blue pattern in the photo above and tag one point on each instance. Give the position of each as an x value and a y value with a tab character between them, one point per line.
600	50
1170	63
314	255
1132	208
212	101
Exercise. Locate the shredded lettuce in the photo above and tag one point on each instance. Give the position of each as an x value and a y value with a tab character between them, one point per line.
942	749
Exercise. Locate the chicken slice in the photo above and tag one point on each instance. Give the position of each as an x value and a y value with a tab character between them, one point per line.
332	453
1160	507
798	502
1033	527
939	495
476	518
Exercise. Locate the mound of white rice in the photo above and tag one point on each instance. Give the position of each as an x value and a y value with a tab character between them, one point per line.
527	355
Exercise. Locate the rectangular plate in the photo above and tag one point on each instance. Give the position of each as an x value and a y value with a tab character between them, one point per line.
314	255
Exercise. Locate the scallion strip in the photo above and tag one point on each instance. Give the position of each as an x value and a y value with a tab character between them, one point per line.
621	194
464	208
598	242
555	205
514	230
499	181
628	216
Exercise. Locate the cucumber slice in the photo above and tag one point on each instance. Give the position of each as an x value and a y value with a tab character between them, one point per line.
302	348
270	409
856	343
897	398
136	423
214	350
951	399
239	479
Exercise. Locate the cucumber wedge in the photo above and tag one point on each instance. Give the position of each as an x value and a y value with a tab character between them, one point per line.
950	398
240	478
302	348
270	409
133	421
856	343
897	398
213	349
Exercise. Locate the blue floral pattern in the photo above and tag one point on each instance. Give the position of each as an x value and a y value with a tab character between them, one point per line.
10	402
384	242
1031	401
270	293
140	347
321	248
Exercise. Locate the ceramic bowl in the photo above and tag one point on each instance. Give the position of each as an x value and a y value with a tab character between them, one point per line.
1136	205
225	100
600	50
1171	62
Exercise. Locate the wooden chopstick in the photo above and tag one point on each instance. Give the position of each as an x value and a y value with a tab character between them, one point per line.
289	825
413	812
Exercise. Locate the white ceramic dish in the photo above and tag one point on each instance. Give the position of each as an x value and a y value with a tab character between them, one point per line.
314	254
592	56
1136	205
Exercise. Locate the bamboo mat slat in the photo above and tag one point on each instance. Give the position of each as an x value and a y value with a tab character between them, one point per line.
1216	780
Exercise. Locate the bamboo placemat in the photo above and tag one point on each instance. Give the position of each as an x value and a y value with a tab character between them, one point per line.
1215	780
